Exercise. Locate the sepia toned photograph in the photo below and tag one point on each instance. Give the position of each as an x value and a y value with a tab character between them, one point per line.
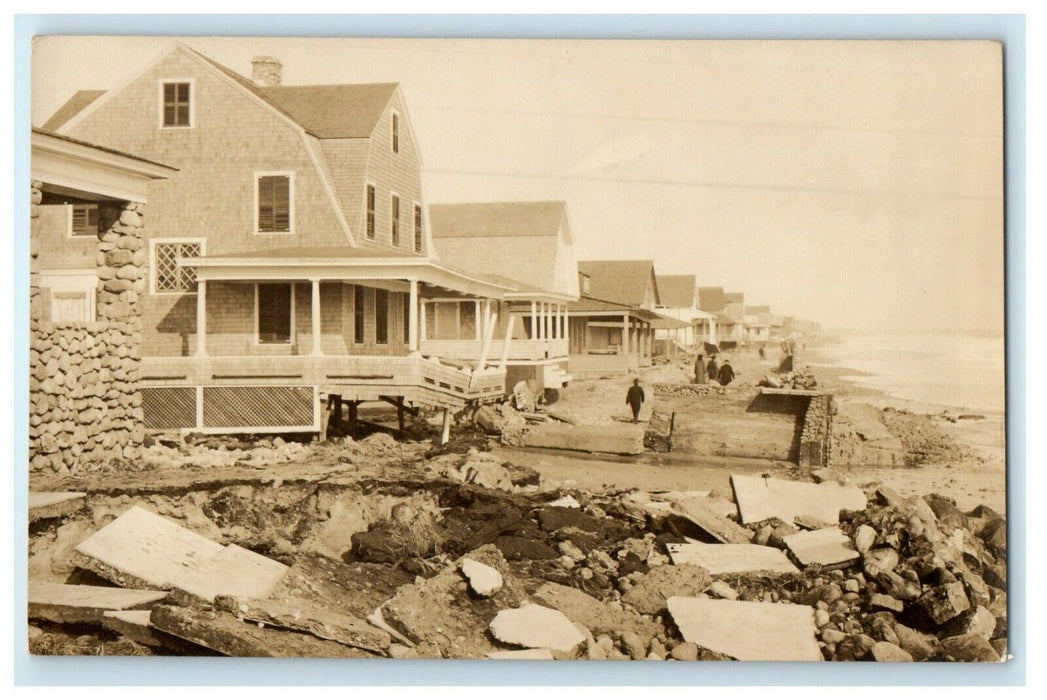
517	349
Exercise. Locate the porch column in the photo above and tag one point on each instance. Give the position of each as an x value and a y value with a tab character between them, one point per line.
201	318
554	309
412	318
421	322
534	322
626	342
314	317
508	339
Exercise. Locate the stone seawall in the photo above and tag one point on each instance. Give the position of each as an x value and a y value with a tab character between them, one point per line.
816	436
85	401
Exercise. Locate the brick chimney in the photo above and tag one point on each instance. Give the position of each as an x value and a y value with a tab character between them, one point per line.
266	71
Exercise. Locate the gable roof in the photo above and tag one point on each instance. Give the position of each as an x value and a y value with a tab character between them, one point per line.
496	219
710	299
619	281
676	291
734	297
332	111
72	107
757	309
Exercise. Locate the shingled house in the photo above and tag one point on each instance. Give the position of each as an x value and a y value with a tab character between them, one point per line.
678	299
610	324
758	323
528	245
290	258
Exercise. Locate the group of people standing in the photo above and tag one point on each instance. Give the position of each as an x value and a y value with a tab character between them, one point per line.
706	373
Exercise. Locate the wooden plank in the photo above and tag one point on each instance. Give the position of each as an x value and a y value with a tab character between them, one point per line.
60	602
827	547
226	634
731	558
233	571
54	504
718	527
747	630
759	499
141	549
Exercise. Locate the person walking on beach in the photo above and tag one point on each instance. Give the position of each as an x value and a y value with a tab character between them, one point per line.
763	354
711	369
726	375
700	376
635	398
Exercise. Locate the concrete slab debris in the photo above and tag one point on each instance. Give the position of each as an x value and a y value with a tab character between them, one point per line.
233	571
717	526
759	499
648	595
748	631
567	501
54	504
60	602
135	625
619	438
596	616
226	634
143	550
827	547
522	655
731	558
300	616
537	627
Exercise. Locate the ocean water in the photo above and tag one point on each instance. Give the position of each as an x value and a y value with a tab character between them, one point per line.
961	370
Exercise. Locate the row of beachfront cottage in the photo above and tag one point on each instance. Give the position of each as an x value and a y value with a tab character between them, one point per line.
286	259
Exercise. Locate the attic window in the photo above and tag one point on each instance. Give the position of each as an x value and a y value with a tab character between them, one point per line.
83	220
396	132
177	105
274	197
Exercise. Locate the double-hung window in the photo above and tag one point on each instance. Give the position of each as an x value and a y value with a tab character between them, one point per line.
275	309
417	228
394	226
370	211
381	317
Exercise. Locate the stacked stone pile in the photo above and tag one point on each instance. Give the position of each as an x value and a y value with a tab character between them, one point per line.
816	435
685	390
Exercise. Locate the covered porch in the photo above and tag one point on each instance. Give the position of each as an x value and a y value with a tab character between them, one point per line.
282	335
614	341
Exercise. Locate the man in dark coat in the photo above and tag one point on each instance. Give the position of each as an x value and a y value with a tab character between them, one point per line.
726	375
712	369
635	399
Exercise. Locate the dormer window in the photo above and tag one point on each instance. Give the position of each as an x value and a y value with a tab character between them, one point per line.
274	196
83	220
177	104
396	132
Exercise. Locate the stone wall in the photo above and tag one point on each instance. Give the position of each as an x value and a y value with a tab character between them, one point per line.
816	435
85	402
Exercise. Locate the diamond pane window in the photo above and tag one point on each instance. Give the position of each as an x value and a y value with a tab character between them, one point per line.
168	275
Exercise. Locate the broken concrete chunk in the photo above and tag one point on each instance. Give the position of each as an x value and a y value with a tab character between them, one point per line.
713	524
226	634
886	651
620	438
537	627
60	602
233	571
864	538
135	625
759	499
143	550
748	631
731	558
567	501
828	547
968	647
300	616
649	594
594	615
721	589
54	504
484	580
521	655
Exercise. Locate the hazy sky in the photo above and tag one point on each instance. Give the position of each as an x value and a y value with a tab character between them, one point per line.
859	184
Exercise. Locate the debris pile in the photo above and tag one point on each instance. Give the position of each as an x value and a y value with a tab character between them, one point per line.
687	390
466	560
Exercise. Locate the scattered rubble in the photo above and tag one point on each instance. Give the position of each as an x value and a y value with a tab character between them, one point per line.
440	561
